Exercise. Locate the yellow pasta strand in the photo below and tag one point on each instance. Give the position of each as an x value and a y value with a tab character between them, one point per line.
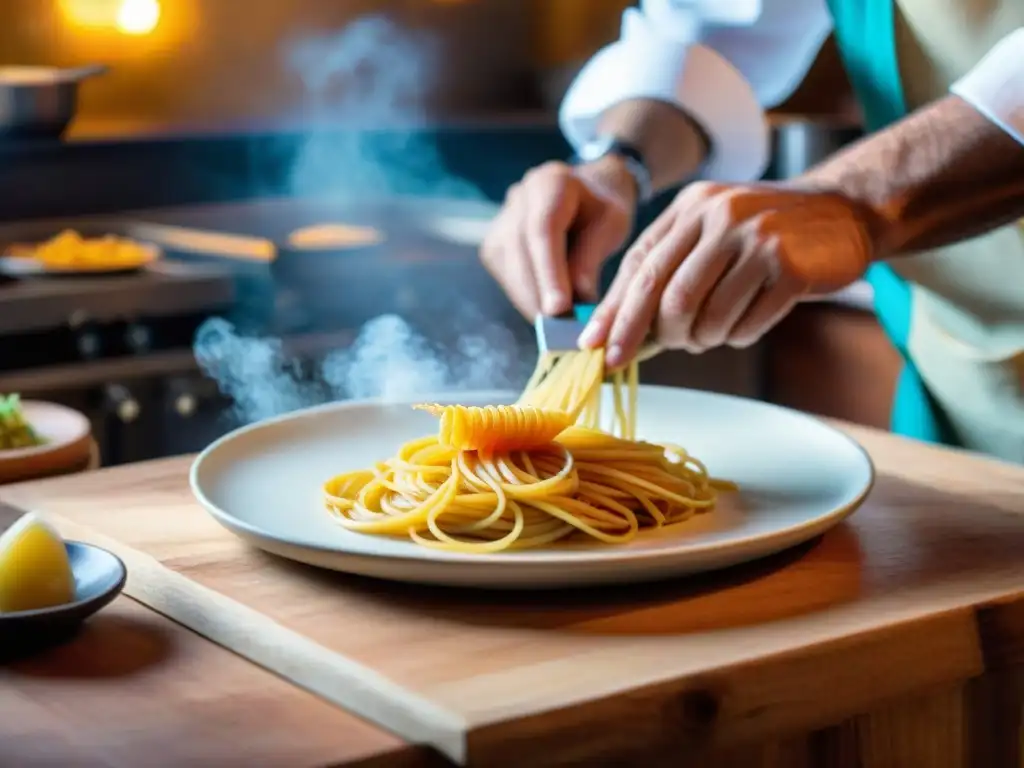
532	474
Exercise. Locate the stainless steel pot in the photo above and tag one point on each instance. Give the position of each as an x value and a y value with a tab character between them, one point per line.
799	143
40	102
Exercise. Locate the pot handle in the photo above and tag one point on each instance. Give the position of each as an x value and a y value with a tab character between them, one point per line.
81	73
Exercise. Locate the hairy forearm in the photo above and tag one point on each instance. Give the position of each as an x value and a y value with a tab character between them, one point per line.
673	146
943	174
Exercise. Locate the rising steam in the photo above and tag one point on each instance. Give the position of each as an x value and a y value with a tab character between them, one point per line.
373	77
254	373
389	361
371	74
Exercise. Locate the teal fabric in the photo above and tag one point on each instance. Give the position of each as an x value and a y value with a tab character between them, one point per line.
583	312
866	36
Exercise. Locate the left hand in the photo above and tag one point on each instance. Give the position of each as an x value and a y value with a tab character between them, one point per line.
724	263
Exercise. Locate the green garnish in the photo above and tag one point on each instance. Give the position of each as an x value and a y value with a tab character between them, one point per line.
15	432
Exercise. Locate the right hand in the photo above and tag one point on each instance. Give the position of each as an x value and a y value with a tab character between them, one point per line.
556	229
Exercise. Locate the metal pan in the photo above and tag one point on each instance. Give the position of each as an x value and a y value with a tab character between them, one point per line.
40	102
416	266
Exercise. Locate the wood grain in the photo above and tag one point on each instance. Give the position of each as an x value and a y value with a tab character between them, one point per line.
135	689
920	591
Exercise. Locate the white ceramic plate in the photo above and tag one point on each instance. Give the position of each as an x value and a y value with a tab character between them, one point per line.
798	478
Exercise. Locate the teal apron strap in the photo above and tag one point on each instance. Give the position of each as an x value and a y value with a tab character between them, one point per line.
865	33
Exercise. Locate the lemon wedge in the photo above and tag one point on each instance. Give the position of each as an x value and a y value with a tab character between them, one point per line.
34	568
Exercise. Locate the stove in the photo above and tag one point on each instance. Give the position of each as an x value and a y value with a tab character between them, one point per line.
62	320
117	348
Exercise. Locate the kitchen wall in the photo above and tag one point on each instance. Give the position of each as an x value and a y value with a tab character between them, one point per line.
228	60
214	60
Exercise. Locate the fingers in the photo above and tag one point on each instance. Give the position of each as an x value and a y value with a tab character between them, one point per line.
505	255
525	251
778	292
682	217
518	278
711	270
636	308
765	312
736	288
691	287
593	243
549	215
520	273
597	330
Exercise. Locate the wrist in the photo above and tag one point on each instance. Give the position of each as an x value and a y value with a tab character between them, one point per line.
611	176
881	230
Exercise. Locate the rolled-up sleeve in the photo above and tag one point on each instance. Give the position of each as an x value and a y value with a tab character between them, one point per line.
995	87
723	72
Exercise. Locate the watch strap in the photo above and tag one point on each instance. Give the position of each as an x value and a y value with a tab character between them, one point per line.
632	158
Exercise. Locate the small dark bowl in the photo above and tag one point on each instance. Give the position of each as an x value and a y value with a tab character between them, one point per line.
99	578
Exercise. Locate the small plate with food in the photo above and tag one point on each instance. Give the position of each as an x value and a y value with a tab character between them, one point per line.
49	586
39	438
71	254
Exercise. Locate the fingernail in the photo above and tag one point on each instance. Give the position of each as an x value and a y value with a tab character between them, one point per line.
589	336
613	356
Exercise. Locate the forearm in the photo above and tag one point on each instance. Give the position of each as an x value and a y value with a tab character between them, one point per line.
949	171
943	174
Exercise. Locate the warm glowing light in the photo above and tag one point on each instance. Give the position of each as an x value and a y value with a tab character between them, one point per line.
138	17
130	17
90	13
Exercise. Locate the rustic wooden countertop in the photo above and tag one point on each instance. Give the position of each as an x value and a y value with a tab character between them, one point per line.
897	639
136	689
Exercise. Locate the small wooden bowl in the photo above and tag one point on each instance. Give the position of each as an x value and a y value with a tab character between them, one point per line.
68	436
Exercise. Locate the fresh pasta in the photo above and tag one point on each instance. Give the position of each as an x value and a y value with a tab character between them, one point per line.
531	474
497	427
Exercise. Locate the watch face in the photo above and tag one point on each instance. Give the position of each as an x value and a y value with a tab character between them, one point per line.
596	148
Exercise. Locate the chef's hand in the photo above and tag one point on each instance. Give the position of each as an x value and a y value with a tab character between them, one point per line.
724	263
556	229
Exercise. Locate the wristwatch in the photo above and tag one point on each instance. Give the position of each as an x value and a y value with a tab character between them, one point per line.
601	146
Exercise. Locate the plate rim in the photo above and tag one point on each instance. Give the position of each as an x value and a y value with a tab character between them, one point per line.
82	421
526	558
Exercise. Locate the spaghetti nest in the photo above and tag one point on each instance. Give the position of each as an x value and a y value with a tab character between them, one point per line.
531	474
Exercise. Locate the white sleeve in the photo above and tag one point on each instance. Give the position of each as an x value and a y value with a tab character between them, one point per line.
722	70
995	87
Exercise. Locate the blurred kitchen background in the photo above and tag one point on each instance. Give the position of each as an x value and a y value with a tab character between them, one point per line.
220	128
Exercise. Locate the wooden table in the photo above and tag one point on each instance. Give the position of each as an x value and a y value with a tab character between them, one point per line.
896	640
135	689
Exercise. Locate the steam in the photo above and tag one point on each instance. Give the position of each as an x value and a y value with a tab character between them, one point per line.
373	74
254	373
389	361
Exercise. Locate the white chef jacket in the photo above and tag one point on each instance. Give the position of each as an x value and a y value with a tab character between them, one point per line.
726	61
